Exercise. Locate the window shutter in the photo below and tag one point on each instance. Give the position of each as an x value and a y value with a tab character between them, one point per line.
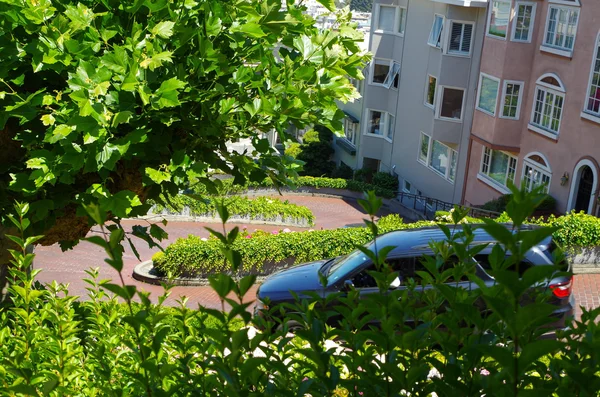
466	41
456	36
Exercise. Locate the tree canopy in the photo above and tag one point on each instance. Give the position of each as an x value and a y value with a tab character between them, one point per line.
114	102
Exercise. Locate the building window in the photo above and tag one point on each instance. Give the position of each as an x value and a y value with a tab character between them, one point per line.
380	123
511	106
451	103
536	172
435	36
461	34
593	97
386	18
406	186
523	22
390	19
561	27
392	77
498	167
350	129
498	18
424	148
487	94
439	157
548	106
430	93
380	70
385	72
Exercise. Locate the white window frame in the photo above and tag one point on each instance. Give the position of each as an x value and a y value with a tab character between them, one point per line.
552	48
349	124
488	180
391	70
404	189
490	77
438	107
394	71
535	166
519	101
489	19
586	113
386	116
428	159
441	33
399	20
447	50
430	105
556	91
531	25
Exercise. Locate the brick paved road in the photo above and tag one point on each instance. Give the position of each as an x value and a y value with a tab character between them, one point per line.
69	267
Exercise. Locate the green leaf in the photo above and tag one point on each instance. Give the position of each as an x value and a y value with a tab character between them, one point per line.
48	120
157	176
251	29
121	203
163	29
81	17
157	60
121	117
329	4
170	85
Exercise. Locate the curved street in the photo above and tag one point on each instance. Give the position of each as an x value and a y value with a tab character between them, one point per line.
69	267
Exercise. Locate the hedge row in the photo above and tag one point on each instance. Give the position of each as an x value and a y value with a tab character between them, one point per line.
575	230
193	256
261	208
303	181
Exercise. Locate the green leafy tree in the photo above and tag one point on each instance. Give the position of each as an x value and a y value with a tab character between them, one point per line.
113	102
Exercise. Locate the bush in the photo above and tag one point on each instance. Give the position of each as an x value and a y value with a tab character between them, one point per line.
364	175
575	230
293	149
386	181
261	208
499	204
343	172
483	341
228	187
263	252
316	153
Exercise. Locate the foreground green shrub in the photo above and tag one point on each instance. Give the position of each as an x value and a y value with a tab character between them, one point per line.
263	252
52	345
574	230
260	208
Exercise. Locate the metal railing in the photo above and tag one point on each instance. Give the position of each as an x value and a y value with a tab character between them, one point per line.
428	206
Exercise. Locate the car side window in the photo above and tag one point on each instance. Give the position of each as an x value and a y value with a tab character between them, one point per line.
484	262
450	264
404	267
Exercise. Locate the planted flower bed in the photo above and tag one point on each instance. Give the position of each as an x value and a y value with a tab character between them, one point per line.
241	208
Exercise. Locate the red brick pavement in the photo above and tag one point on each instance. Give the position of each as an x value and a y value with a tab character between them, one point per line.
69	267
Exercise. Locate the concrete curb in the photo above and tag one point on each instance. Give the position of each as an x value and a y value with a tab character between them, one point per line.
145	273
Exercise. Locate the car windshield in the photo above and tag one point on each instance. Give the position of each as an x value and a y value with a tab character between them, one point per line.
345	265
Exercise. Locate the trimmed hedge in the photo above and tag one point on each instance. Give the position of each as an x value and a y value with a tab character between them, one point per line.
263	208
499	204
193	256
303	181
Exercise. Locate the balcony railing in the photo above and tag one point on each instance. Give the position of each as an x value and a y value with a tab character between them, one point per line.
429	206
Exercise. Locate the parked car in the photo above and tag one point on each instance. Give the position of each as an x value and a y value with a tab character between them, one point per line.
351	271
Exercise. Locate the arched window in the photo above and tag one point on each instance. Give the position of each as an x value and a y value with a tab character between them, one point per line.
592	103
536	172
548	105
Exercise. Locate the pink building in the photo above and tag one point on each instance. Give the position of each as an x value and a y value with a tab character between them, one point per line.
537	116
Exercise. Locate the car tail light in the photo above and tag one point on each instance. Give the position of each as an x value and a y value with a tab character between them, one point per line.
562	290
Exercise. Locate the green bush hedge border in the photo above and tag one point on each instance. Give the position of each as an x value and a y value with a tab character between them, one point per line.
261	209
